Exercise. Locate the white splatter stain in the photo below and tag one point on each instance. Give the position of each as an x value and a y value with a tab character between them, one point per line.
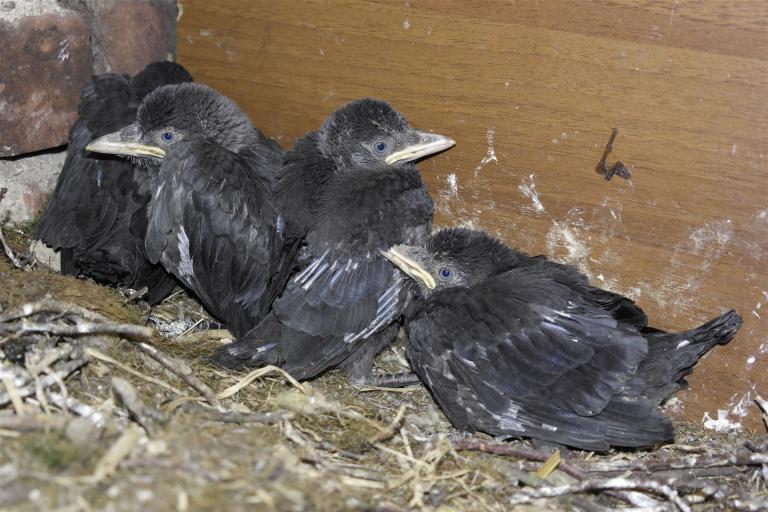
453	186
763	348
710	241
406	24
490	155
601	277
206	32
718	233
733	149
750	362
741	408
63	51
722	423
528	189
566	235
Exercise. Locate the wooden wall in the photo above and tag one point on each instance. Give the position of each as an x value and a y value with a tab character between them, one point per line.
530	91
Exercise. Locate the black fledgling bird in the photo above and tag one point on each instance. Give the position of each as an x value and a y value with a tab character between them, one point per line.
347	191
212	219
97	216
511	346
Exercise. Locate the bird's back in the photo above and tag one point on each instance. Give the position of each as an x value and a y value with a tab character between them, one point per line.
342	292
97	213
524	355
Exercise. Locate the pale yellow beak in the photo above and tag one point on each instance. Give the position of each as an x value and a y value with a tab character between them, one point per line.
410	267
114	144
429	144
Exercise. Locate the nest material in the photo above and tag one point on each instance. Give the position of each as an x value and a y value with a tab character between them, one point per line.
97	410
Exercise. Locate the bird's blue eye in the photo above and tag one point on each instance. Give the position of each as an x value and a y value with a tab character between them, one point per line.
167	137
445	273
380	147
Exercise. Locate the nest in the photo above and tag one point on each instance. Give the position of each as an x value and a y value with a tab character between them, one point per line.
104	404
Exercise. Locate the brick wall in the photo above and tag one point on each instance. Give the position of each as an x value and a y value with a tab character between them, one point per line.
49	50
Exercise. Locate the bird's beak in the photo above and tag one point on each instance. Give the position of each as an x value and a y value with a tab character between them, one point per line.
124	142
429	144
399	258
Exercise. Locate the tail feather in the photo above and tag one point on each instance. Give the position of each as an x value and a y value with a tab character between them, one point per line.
634	424
271	342
672	356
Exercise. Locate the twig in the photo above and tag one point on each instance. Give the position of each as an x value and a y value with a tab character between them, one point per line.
63	370
125	330
740	457
48	305
519	452
13	395
255	374
617	168
129	397
9	252
91	352
623	484
181	370
763	405
32	422
391	428
238	417
79	408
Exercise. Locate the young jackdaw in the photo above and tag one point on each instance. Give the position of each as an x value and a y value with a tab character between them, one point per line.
513	346
97	216
211	218
347	191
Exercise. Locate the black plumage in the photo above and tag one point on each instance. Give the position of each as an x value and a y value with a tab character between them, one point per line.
523	347
211	218
97	216
346	191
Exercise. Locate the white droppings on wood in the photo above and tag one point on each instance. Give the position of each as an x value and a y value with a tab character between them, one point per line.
741	408
722	423
406	24
205	32
528	189
733	149
490	155
711	241
564	244
750	362
716	233
453	185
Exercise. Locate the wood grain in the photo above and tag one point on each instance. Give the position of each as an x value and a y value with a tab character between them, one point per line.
531	90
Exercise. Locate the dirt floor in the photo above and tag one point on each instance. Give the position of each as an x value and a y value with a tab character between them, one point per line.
90	420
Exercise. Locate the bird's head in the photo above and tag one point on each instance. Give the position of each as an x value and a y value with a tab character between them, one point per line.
452	257
369	133
173	113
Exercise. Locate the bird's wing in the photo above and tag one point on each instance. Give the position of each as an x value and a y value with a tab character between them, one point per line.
346	288
525	337
621	308
84	205
347	296
211	223
88	198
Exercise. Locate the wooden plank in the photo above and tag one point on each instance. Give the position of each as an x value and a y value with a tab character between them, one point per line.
531	90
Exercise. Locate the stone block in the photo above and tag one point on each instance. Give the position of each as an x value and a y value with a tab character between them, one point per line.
126	35
29	181
44	63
